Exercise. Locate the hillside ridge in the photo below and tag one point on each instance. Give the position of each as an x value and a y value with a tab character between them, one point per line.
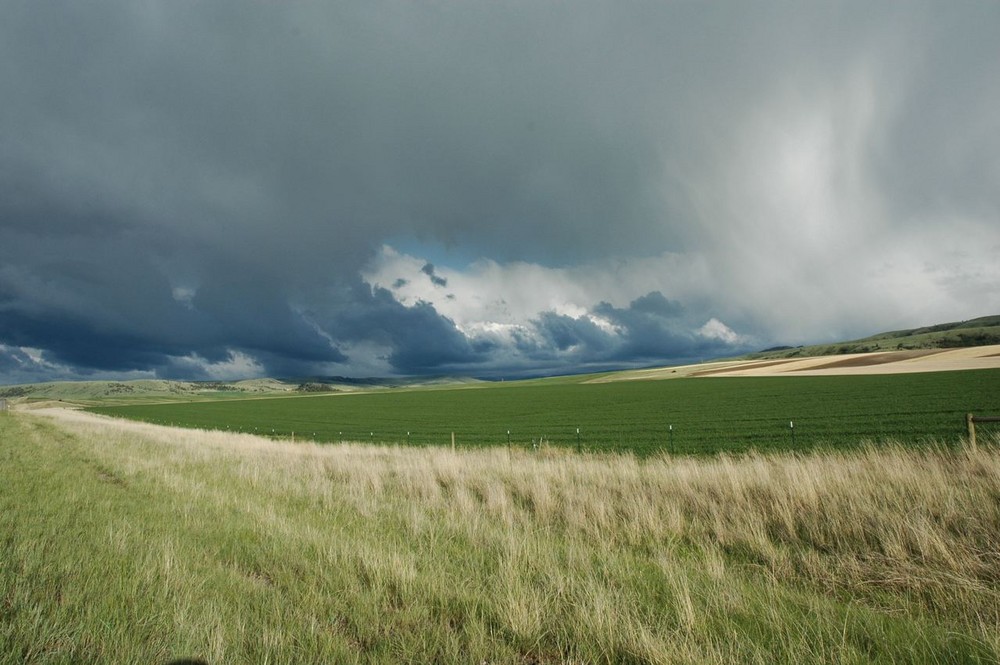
981	331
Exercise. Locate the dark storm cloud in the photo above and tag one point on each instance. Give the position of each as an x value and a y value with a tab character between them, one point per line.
436	280
196	180
652	328
420	341
649	329
562	333
95	302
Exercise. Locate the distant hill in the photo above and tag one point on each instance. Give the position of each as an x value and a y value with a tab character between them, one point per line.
974	332
323	383
160	390
84	392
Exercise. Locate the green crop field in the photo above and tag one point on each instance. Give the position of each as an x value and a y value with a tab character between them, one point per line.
701	415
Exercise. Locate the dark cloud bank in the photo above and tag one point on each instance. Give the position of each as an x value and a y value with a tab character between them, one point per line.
194	189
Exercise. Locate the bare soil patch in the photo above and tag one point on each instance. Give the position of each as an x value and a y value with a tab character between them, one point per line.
868	359
885	362
750	365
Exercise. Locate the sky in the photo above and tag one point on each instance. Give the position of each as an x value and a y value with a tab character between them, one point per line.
223	190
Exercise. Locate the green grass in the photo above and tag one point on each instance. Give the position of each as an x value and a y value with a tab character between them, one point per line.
707	414
975	332
125	543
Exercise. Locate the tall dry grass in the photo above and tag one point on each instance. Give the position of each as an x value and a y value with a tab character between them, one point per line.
885	552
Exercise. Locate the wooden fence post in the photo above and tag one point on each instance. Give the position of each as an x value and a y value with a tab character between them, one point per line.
452	442
971	423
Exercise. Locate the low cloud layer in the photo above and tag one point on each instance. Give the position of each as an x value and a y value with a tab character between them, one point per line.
228	189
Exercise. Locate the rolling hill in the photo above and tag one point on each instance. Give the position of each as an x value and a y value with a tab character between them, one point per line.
86	393
982	331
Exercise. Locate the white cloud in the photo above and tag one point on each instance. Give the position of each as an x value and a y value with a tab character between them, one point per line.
487	291
558	312
715	329
238	365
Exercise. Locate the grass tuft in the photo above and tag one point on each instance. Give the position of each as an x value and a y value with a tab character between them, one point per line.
133	543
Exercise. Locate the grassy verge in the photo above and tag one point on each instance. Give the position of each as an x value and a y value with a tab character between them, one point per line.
132	543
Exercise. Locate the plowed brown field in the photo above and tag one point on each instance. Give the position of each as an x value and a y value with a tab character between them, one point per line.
891	362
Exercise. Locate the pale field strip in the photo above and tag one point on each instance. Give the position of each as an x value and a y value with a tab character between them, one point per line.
854	364
981	357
